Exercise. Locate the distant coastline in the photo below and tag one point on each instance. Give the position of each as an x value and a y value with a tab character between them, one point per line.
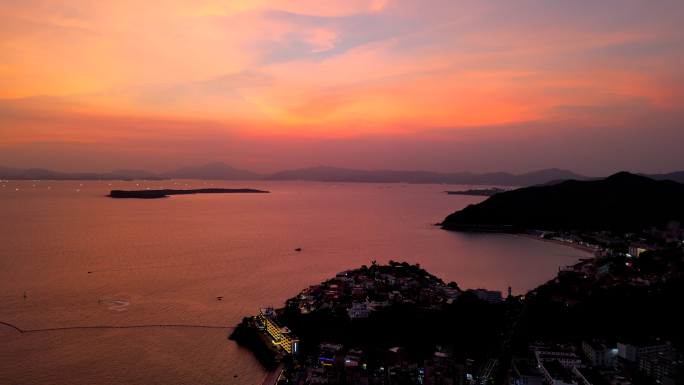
152	194
222	171
478	192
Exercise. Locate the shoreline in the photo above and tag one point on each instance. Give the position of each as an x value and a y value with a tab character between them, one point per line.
273	376
573	245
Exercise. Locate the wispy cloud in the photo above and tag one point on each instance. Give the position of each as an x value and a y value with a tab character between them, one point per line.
83	71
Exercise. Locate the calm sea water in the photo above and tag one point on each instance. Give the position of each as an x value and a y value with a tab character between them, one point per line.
84	260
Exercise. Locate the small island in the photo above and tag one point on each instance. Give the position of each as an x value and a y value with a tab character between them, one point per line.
151	194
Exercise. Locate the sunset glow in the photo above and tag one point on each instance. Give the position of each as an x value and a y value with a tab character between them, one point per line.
482	86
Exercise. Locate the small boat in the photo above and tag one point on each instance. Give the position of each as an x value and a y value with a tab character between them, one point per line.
298	249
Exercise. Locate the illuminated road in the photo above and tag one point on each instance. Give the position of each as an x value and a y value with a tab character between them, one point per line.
484	373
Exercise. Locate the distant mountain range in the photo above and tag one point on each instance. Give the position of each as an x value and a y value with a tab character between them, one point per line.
333	174
621	202
215	170
222	171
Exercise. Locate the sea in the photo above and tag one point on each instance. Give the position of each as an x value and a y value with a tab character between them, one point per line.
95	290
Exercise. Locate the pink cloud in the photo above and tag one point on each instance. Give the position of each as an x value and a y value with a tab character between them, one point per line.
151	76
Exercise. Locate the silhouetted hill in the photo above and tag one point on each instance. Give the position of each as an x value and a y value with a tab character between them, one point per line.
334	174
4	171
673	176
131	174
214	170
42	174
621	202
544	176
39	173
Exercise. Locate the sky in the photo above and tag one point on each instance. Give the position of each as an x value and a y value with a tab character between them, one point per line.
594	87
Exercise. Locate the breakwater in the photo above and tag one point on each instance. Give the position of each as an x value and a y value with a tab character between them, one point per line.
114	327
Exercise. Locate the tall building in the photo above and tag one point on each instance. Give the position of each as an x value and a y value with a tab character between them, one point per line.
599	354
487	295
633	349
440	370
524	372
279	333
659	366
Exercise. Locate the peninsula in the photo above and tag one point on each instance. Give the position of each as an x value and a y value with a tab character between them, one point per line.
398	324
623	202
150	194
364	320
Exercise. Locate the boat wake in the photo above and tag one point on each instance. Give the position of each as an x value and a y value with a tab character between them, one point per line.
121	305
136	268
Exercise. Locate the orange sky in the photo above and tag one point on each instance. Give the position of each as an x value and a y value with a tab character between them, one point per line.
594	87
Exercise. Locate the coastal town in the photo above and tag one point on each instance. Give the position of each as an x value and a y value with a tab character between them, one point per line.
398	324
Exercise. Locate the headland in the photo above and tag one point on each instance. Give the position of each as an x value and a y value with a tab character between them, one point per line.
397	323
623	202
